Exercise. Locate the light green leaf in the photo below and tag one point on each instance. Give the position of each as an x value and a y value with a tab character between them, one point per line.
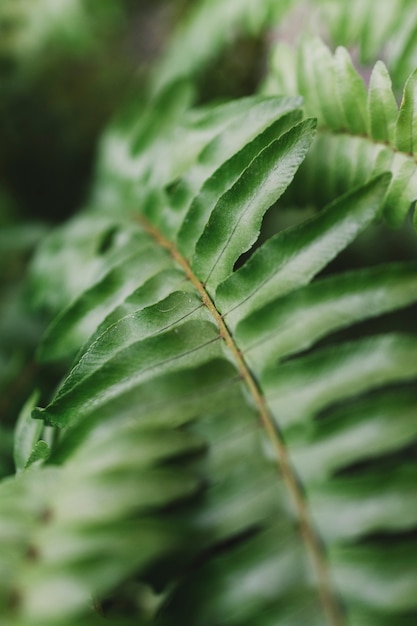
359	135
351	92
406	130
382	106
387	590
346	509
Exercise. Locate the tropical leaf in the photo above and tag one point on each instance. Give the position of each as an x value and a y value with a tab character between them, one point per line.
360	134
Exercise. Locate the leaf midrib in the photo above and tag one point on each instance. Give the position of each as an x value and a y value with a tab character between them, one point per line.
311	540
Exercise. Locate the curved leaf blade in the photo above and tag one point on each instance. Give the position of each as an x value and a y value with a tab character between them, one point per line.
235	221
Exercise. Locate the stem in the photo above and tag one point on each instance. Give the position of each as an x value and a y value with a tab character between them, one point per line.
313	544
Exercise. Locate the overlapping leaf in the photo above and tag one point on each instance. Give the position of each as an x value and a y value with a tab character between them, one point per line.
360	134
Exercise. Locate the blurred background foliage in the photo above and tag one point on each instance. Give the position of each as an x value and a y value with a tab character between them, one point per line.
68	67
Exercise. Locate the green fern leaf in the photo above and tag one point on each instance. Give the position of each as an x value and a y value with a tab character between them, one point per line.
214	421
73	327
232	231
382	107
407	119
292	258
359	134
227	155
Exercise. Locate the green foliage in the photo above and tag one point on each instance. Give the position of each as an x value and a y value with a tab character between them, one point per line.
351	122
226	425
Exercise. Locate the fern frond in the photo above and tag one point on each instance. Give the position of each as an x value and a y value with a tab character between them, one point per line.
360	134
188	352
116	277
216	419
